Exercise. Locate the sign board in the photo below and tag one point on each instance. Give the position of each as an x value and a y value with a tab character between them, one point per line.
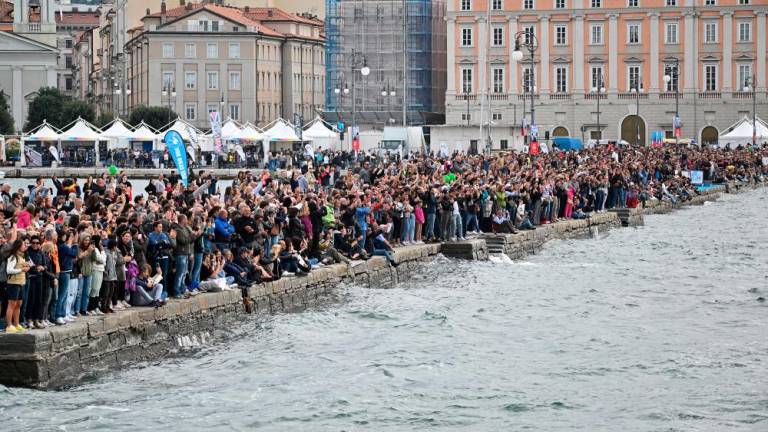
697	177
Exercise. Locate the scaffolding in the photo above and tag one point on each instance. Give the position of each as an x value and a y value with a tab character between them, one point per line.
376	31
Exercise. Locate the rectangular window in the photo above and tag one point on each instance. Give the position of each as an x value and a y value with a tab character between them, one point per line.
710	32
597	79
633	33
234	80
561	35
212	107
561	79
710	77
190	111
596	4
202	25
214	26
167	50
671	3
745	74
504	144
68	83
466	80
497	116
68	43
168	81
68	62
671	33
527	79
234	50
212	80
527	4
529	29
744	2
559	4
498	80
633	78
745	32
466	37
672	71
190	50
496	5
212	50
466	5
498	36
710	3
633	3
234	111
190	80
596	34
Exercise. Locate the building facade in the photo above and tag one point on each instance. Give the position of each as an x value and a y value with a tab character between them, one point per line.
250	64
617	52
70	24
373	34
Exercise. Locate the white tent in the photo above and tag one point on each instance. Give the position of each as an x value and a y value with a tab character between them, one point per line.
81	131
321	135
251	133
117	135
741	133
281	131
230	131
143	133
33	155
44	132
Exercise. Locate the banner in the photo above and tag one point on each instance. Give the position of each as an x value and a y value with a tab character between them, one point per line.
216	129
55	153
677	125
240	152
697	177
534	148
175	145
355	138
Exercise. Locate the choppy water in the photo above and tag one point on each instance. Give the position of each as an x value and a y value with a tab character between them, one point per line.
649	329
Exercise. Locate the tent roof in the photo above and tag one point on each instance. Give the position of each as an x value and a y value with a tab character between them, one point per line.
319	130
251	133
281	130
43	133
80	131
117	130
143	133
231	131
743	129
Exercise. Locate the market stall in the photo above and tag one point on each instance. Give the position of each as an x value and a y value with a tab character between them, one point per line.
35	146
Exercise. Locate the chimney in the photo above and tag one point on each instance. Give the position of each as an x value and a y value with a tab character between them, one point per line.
188	6
148	12
181	2
269	13
163	9
247	9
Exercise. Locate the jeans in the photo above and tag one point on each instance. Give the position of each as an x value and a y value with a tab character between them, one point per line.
406	229
429	232
456	226
445	225
74	286
81	304
197	263
163	264
140	297
599	200
182	267
471	223
385	253
61	299
412	230
24	302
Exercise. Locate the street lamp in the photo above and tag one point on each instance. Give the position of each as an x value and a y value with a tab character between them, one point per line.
169	90
599	89
357	61
636	88
340	92
389	92
750	83
530	43
672	80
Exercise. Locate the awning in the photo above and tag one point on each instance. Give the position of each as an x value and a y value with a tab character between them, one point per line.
118	130
319	130
251	133
43	133
230	131
143	133
80	131
281	130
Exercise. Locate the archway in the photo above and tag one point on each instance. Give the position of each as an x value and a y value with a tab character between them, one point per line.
709	136
633	130
560	131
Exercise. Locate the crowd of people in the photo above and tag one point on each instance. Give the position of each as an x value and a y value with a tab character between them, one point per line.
98	246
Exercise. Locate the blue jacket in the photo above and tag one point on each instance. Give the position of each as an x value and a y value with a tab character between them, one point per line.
67	255
223	229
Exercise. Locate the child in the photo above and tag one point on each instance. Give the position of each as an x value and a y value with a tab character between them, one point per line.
147	290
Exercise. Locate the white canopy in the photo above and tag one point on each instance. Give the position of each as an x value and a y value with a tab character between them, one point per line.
230	131
80	131
143	133
181	127
43	133
320	135
117	135
251	133
281	130
741	133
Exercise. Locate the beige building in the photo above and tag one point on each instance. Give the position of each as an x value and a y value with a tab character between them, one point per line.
250	64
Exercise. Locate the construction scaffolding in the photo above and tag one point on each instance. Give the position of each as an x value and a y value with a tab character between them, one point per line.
375	32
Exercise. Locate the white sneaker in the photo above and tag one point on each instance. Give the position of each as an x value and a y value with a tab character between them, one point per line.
126	304
98	312
60	321
69	318
118	306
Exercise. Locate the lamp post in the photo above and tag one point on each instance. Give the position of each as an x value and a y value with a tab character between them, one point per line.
599	89
357	61
118	92
636	88
170	91
389	92
673	81
750	84
341	92
530	43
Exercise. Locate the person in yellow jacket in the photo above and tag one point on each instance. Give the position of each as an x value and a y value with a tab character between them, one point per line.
17	267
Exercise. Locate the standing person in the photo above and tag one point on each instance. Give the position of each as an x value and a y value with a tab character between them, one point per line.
125	248
51	239
419	219
67	253
159	249
97	275
50	282
17	268
198	248
182	238
35	278
110	276
85	260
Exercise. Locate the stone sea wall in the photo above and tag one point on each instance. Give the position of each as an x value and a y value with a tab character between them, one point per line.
67	355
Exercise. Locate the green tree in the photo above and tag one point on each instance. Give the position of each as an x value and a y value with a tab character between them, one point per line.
74	109
104	119
6	119
47	105
154	116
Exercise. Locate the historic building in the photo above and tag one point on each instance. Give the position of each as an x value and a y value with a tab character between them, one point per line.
634	57
250	64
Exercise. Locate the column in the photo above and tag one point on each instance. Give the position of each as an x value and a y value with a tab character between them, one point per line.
543	85
50	76
761	38
578	53
727	40
654	49
482	55
514	82
17	104
613	52
451	60
688	53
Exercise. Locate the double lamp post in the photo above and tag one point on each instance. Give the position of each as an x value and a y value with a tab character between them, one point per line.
357	61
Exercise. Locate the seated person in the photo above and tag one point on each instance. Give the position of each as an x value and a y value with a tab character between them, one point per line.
212	275
381	247
328	253
148	290
502	224
271	263
231	268
292	261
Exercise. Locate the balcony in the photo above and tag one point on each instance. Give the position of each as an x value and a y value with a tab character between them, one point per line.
593	96
670	95
527	96
741	95
466	96
33	27
632	96
710	95
560	96
499	96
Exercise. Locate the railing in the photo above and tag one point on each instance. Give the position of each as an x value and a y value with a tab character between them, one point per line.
559	96
499	96
632	96
670	95
526	96
593	96
465	96
33	27
741	95
710	95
